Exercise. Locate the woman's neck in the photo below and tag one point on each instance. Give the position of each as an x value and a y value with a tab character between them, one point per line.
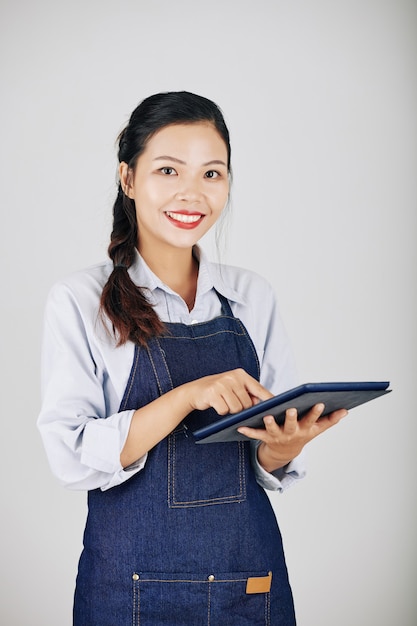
178	269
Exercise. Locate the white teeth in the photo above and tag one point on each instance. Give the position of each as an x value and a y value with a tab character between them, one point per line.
185	219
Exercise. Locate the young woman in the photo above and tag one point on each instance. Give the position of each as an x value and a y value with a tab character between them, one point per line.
140	350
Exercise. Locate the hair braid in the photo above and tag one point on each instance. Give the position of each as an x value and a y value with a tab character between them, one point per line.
132	316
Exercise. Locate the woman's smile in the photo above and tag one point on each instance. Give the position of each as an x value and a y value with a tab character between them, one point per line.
184	219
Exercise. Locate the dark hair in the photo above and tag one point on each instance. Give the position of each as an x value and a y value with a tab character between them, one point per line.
124	303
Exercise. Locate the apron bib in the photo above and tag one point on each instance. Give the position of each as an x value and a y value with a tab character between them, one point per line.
191	539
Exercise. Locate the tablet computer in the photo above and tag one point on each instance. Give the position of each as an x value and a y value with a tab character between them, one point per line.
333	395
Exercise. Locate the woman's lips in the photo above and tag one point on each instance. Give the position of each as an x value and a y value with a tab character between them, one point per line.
184	220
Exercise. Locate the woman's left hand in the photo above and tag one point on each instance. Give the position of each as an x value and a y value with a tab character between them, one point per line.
281	444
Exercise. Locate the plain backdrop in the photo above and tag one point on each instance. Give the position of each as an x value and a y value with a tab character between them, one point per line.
320	97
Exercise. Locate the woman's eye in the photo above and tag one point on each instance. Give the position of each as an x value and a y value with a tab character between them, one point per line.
212	174
168	171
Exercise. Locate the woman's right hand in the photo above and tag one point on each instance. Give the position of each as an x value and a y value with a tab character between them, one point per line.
228	392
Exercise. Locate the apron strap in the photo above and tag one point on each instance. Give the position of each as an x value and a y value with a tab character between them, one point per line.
226	308
159	365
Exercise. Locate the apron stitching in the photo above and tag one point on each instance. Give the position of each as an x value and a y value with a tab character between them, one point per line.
242	468
173	466
210	502
136	603
220	332
197	581
252	347
162	353
155	372
170	497
209	604
131	377
268	608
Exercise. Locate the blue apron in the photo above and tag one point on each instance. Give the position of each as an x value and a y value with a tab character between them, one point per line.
192	539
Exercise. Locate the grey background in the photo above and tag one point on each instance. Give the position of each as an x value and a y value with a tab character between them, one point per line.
320	97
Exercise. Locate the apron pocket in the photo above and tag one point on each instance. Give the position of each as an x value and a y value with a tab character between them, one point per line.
215	476
213	600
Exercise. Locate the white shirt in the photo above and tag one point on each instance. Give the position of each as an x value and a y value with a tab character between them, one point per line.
84	373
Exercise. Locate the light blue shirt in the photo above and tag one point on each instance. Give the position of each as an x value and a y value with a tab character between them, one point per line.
84	373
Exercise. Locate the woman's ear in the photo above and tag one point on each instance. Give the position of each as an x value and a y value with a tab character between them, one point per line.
125	175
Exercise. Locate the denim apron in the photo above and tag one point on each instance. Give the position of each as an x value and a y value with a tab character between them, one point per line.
192	539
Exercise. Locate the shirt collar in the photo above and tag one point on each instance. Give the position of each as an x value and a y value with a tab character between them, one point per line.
210	276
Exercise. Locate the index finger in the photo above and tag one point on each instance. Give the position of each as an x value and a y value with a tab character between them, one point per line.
258	392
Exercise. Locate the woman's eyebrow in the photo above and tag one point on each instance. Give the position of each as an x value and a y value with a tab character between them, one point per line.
166	157
215	162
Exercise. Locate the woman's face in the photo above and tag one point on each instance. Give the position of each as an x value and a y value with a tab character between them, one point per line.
180	185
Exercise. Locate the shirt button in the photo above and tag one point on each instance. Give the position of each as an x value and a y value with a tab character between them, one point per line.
194	321
135	577
210	578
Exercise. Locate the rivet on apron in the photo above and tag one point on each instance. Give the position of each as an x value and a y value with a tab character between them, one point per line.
210	578
135	577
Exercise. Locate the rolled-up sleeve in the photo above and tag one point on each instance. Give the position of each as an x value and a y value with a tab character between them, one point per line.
282	478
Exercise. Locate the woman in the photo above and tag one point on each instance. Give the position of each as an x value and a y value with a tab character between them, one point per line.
139	351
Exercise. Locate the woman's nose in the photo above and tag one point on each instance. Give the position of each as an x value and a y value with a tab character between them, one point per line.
189	190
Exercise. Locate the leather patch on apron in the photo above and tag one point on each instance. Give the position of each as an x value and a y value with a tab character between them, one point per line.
260	584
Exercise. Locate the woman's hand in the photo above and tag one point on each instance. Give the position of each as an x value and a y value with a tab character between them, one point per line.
281	444
228	392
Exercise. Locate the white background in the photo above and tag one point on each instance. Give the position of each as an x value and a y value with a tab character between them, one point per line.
320	97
